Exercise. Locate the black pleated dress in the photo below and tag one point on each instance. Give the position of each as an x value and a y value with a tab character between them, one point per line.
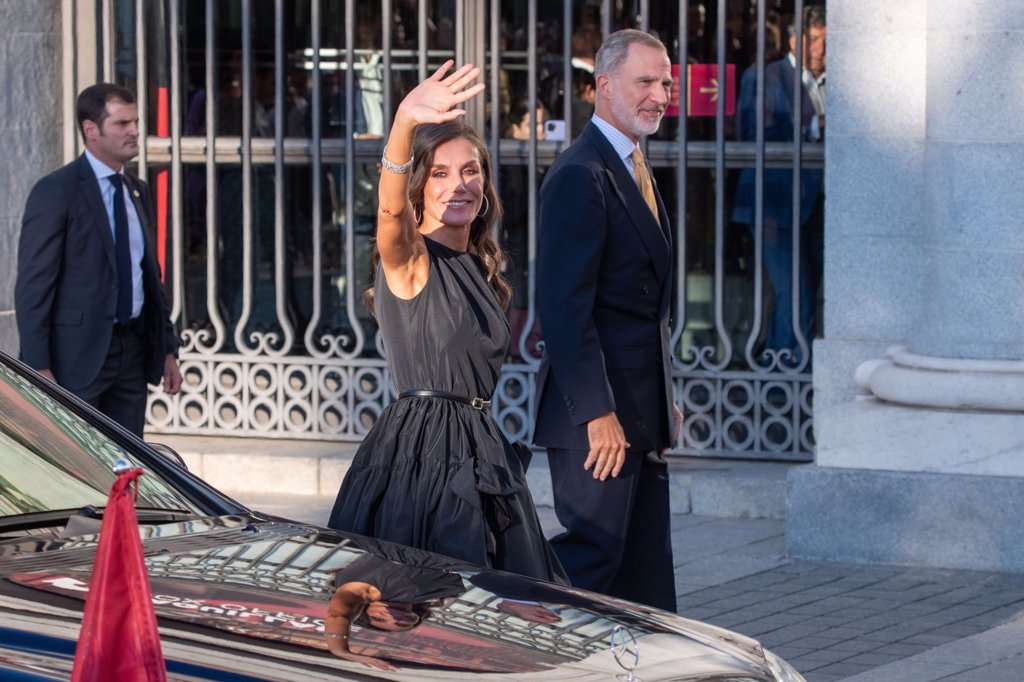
434	473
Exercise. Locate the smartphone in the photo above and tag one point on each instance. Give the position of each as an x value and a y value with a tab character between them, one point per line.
554	130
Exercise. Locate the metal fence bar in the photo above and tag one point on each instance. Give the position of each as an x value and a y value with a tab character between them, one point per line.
241	342
759	163
177	312
273	344
386	48
724	339
421	37
141	87
107	44
316	124
211	343
682	149
357	341
798	124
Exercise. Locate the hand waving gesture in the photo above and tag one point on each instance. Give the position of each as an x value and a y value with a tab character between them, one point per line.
435	100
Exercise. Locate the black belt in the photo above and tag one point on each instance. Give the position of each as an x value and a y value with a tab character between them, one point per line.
475	403
131	327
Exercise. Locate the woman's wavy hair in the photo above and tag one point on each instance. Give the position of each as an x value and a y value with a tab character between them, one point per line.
481	240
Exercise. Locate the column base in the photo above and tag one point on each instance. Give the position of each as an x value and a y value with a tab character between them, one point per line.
907	378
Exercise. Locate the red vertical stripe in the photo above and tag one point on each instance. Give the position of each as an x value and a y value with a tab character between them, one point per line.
163	129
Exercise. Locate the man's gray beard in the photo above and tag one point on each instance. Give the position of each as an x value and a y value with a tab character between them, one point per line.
633	122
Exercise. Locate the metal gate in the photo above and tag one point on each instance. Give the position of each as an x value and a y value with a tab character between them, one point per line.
264	124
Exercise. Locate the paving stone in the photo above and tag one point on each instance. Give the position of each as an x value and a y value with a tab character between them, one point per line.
825	656
959	630
999	671
931	639
857	645
819	676
843	669
773	622
853	614
873	658
902	649
819	642
789	634
846	632
825	622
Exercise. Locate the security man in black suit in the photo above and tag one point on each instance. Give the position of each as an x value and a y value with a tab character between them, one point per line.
604	406
88	297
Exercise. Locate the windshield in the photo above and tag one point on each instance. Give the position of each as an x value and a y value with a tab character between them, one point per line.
52	459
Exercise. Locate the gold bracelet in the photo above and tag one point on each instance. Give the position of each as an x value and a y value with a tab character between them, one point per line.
392	166
335	634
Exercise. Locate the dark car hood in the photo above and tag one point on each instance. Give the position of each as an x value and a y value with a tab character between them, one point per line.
247	595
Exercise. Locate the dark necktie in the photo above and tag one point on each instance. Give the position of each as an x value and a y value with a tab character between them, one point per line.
643	181
122	252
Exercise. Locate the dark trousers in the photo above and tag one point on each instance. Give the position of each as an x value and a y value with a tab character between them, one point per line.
120	389
618	531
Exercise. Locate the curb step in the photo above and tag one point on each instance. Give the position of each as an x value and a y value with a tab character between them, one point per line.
704	487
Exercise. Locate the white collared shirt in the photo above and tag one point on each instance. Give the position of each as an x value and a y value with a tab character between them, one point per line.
815	92
135	243
620	142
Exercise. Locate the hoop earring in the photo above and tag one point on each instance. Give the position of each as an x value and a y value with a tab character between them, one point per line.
487	207
417	214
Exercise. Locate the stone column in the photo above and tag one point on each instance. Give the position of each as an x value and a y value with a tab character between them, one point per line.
921	449
31	127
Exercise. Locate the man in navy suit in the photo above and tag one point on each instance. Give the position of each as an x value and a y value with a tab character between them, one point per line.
604	406
780	81
88	296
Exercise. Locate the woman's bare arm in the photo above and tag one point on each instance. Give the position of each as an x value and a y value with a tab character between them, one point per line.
402	252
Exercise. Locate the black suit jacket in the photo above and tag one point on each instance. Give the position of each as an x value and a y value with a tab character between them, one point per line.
605	280
66	291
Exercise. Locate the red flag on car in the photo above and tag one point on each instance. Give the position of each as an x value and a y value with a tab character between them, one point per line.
119	638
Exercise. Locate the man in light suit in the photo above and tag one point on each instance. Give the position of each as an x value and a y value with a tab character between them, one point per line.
88	296
604	406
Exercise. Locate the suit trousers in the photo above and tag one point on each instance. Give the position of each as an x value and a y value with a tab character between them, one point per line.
617	538
120	390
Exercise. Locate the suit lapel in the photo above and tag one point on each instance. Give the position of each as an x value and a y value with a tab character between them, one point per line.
654	238
89	186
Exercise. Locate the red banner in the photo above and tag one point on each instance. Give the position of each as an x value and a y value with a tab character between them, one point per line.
703	90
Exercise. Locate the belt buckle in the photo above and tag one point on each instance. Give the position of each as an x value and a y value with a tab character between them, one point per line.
479	403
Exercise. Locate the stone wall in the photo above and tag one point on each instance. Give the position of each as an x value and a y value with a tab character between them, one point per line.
920	449
31	124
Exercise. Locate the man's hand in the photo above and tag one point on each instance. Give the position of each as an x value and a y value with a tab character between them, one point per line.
172	375
607	446
47	374
677	422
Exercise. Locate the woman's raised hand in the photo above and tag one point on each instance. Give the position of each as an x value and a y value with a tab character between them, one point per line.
436	99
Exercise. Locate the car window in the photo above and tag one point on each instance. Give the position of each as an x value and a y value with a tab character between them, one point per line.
52	459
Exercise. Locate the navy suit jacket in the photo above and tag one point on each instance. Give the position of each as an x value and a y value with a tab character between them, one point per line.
66	291
605	282
779	81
